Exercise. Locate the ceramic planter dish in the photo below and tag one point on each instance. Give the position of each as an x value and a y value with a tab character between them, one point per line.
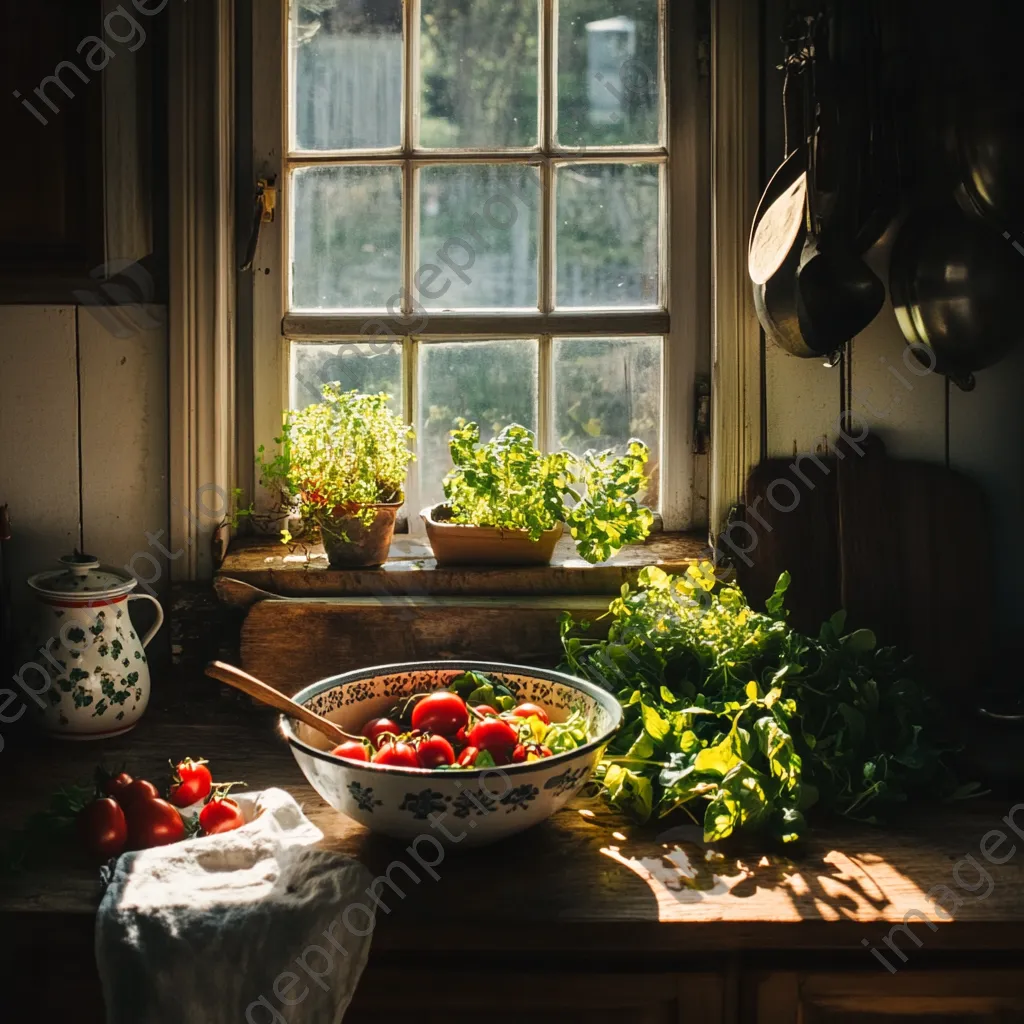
478	806
454	544
351	544
84	641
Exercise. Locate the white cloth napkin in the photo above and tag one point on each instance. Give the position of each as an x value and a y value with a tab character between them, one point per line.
245	926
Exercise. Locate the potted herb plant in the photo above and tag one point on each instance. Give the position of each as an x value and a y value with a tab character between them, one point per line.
340	468
507	502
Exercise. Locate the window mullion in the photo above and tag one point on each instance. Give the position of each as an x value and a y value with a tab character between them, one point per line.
545	396
547	240
409	183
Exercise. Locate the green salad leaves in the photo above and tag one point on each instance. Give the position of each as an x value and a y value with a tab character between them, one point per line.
732	712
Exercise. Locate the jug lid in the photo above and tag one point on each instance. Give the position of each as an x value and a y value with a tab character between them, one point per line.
82	576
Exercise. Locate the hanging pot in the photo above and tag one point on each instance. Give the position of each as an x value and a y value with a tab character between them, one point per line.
958	290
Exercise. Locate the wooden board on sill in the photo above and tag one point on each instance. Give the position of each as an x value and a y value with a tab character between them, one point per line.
271	567
290	643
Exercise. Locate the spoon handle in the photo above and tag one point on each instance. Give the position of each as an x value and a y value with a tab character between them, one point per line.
265	694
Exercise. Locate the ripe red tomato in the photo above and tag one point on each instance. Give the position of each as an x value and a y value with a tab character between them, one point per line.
115	785
376	727
495	736
435	751
352	749
468	757
102	828
484	709
138	791
519	753
153	822
397	754
529	710
220	815
192	782
443	712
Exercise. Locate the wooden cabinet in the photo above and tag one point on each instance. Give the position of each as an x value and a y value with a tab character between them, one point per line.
479	992
922	997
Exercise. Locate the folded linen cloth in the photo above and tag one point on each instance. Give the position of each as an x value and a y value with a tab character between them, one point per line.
248	926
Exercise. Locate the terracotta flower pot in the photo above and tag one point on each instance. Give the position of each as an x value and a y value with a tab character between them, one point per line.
351	544
455	544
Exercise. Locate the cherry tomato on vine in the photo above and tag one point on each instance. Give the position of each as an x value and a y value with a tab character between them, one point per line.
531	710
221	814
138	791
102	828
434	751
115	785
443	712
353	750
153	822
191	783
397	754
495	736
376	727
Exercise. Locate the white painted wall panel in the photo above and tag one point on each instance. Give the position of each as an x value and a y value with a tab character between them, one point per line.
893	394
123	380
986	440
39	475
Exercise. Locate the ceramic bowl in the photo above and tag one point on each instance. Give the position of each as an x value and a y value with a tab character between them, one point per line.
464	807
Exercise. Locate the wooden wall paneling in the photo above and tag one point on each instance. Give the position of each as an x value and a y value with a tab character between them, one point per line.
986	439
128	220
39	470
123	382
894	395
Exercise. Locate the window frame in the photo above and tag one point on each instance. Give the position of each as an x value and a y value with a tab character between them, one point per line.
684	268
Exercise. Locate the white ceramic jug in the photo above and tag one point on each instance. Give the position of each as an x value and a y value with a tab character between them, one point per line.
83	638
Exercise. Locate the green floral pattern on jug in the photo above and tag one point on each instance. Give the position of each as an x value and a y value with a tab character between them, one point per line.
96	663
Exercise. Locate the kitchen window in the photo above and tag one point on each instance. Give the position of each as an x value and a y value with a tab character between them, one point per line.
490	210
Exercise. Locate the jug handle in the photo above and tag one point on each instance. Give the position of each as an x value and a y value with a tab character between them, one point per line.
159	616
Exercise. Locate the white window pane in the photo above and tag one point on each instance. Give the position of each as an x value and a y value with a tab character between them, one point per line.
607	391
492	383
479	74
346	237
346	74
607	237
609	73
366	366
478	230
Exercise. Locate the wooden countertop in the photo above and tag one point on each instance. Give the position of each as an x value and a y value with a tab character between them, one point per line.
576	881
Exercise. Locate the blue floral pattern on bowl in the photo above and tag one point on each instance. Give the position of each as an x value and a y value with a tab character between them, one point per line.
468	807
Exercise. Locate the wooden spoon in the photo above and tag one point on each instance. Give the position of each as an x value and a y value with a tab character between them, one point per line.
265	694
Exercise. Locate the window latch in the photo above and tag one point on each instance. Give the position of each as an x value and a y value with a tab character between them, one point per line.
701	415
264	212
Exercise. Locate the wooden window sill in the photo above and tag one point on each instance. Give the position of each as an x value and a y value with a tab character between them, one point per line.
257	567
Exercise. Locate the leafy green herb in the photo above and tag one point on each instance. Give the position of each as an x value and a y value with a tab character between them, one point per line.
475	688
39	839
735	714
347	451
510	484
